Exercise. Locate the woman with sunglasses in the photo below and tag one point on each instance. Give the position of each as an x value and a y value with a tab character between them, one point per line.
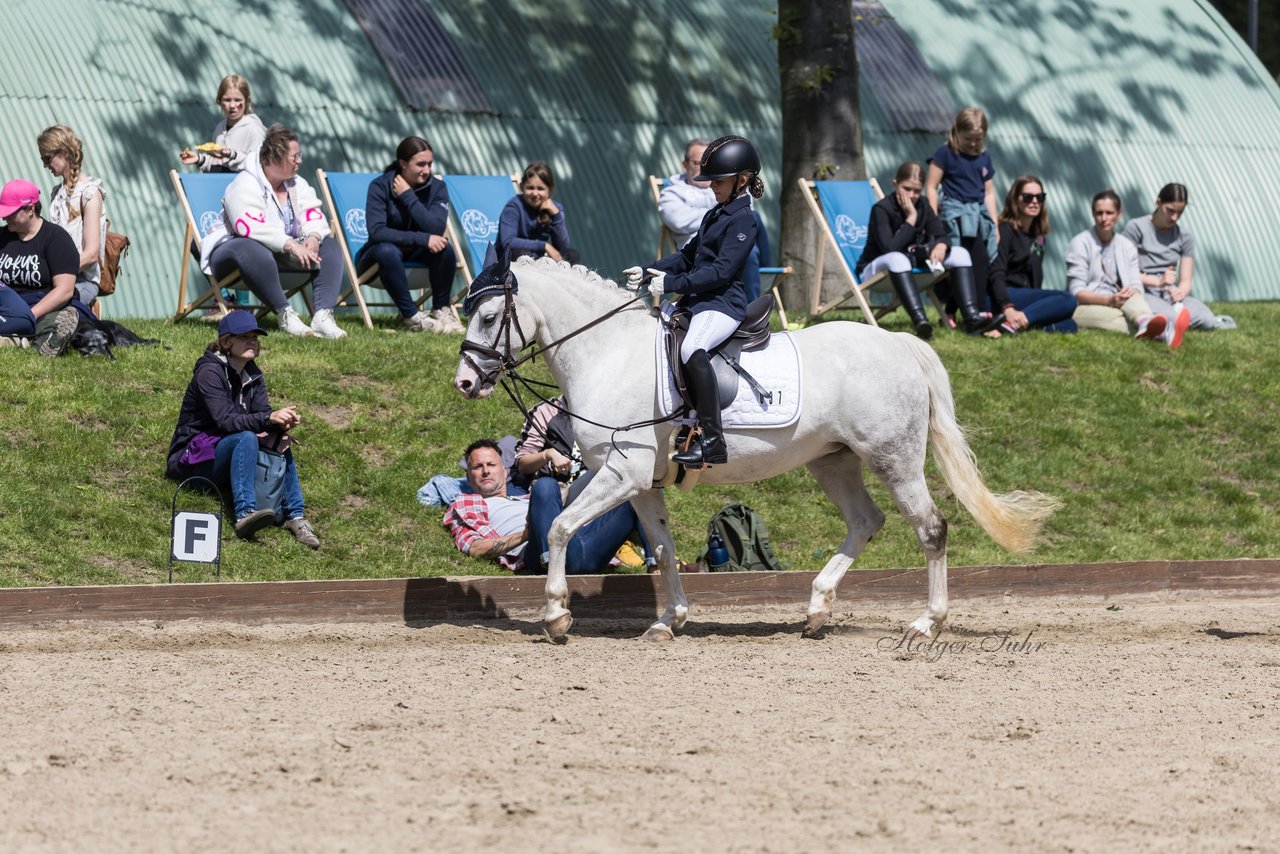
272	222
1017	276
78	204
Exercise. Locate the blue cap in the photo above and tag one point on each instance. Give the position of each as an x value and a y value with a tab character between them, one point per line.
239	323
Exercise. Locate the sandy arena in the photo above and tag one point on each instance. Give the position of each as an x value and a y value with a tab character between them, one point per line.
1037	726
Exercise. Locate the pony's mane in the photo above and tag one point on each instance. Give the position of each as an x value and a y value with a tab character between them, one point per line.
578	272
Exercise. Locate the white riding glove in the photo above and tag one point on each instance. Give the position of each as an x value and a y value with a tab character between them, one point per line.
656	287
634	275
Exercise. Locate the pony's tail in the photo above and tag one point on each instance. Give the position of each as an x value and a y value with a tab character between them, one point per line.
1012	519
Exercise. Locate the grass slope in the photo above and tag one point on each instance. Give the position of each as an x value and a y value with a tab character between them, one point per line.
1155	454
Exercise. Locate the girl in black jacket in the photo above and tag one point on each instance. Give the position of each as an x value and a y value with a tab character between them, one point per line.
903	234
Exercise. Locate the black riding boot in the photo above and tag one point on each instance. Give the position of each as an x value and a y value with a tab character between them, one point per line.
966	294
710	449
905	286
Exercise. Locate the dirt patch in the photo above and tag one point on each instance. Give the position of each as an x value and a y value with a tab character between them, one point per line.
375	456
338	417
1063	725
129	571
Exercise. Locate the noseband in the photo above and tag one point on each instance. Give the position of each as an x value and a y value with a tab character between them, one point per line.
505	357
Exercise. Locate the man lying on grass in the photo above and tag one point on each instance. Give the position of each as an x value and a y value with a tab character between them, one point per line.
512	529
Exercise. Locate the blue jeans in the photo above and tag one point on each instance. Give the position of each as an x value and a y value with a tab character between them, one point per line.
591	548
1049	310
391	259
15	315
234	464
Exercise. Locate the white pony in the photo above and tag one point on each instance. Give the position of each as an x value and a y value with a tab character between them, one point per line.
871	398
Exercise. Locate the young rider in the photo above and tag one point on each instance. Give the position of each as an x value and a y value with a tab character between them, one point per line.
708	273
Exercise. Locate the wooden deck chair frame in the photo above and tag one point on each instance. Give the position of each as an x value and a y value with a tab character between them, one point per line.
667	238
191	247
356	280
827	240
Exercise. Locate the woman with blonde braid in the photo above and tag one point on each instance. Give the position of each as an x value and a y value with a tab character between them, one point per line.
78	204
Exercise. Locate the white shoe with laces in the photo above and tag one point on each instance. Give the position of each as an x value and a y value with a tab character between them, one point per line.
421	322
323	325
447	321
291	324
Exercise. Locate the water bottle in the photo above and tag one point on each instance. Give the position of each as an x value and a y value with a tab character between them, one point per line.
717	554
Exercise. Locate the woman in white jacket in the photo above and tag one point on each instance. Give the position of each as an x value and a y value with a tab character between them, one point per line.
1102	274
272	221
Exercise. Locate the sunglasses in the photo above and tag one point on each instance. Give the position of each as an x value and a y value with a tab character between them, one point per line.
45	159
1028	198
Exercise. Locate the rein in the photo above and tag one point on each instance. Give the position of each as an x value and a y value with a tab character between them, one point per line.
509	363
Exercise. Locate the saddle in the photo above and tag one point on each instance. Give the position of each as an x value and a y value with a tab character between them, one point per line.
752	334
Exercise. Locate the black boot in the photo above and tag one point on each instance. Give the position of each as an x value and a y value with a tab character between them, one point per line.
710	449
966	294
904	284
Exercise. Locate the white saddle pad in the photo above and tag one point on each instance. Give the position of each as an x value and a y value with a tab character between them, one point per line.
776	368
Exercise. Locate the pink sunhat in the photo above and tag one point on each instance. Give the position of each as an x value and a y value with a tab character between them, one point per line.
17	194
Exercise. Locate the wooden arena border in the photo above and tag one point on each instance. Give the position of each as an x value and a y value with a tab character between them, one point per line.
425	600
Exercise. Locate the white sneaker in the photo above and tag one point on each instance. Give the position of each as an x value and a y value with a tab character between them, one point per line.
291	324
323	325
421	322
447	320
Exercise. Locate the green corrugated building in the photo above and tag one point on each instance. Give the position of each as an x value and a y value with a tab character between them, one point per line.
1086	94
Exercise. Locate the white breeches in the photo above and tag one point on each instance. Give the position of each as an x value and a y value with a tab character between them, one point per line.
707	329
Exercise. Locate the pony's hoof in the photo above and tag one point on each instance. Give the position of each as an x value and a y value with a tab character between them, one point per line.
658	634
557	630
920	629
814	623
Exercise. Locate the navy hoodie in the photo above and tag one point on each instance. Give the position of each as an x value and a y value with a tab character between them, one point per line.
218	402
406	220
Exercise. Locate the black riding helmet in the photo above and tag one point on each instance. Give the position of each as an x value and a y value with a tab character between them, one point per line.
727	157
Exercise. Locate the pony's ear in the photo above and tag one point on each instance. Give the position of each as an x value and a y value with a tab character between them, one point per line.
504	264
490	256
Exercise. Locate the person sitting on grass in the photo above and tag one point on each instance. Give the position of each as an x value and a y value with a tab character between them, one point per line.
1102	274
491	523
1016	284
38	264
225	415
1167	262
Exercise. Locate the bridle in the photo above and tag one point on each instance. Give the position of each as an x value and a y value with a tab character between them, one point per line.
509	361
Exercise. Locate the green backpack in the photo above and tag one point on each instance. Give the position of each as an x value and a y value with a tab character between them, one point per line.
745	537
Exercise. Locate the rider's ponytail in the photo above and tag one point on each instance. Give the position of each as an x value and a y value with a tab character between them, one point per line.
756	186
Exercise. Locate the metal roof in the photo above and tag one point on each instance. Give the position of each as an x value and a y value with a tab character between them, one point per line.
1090	93
1129	94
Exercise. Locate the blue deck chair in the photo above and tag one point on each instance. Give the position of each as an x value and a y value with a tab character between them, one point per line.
346	194
477	202
200	194
667	245
843	211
